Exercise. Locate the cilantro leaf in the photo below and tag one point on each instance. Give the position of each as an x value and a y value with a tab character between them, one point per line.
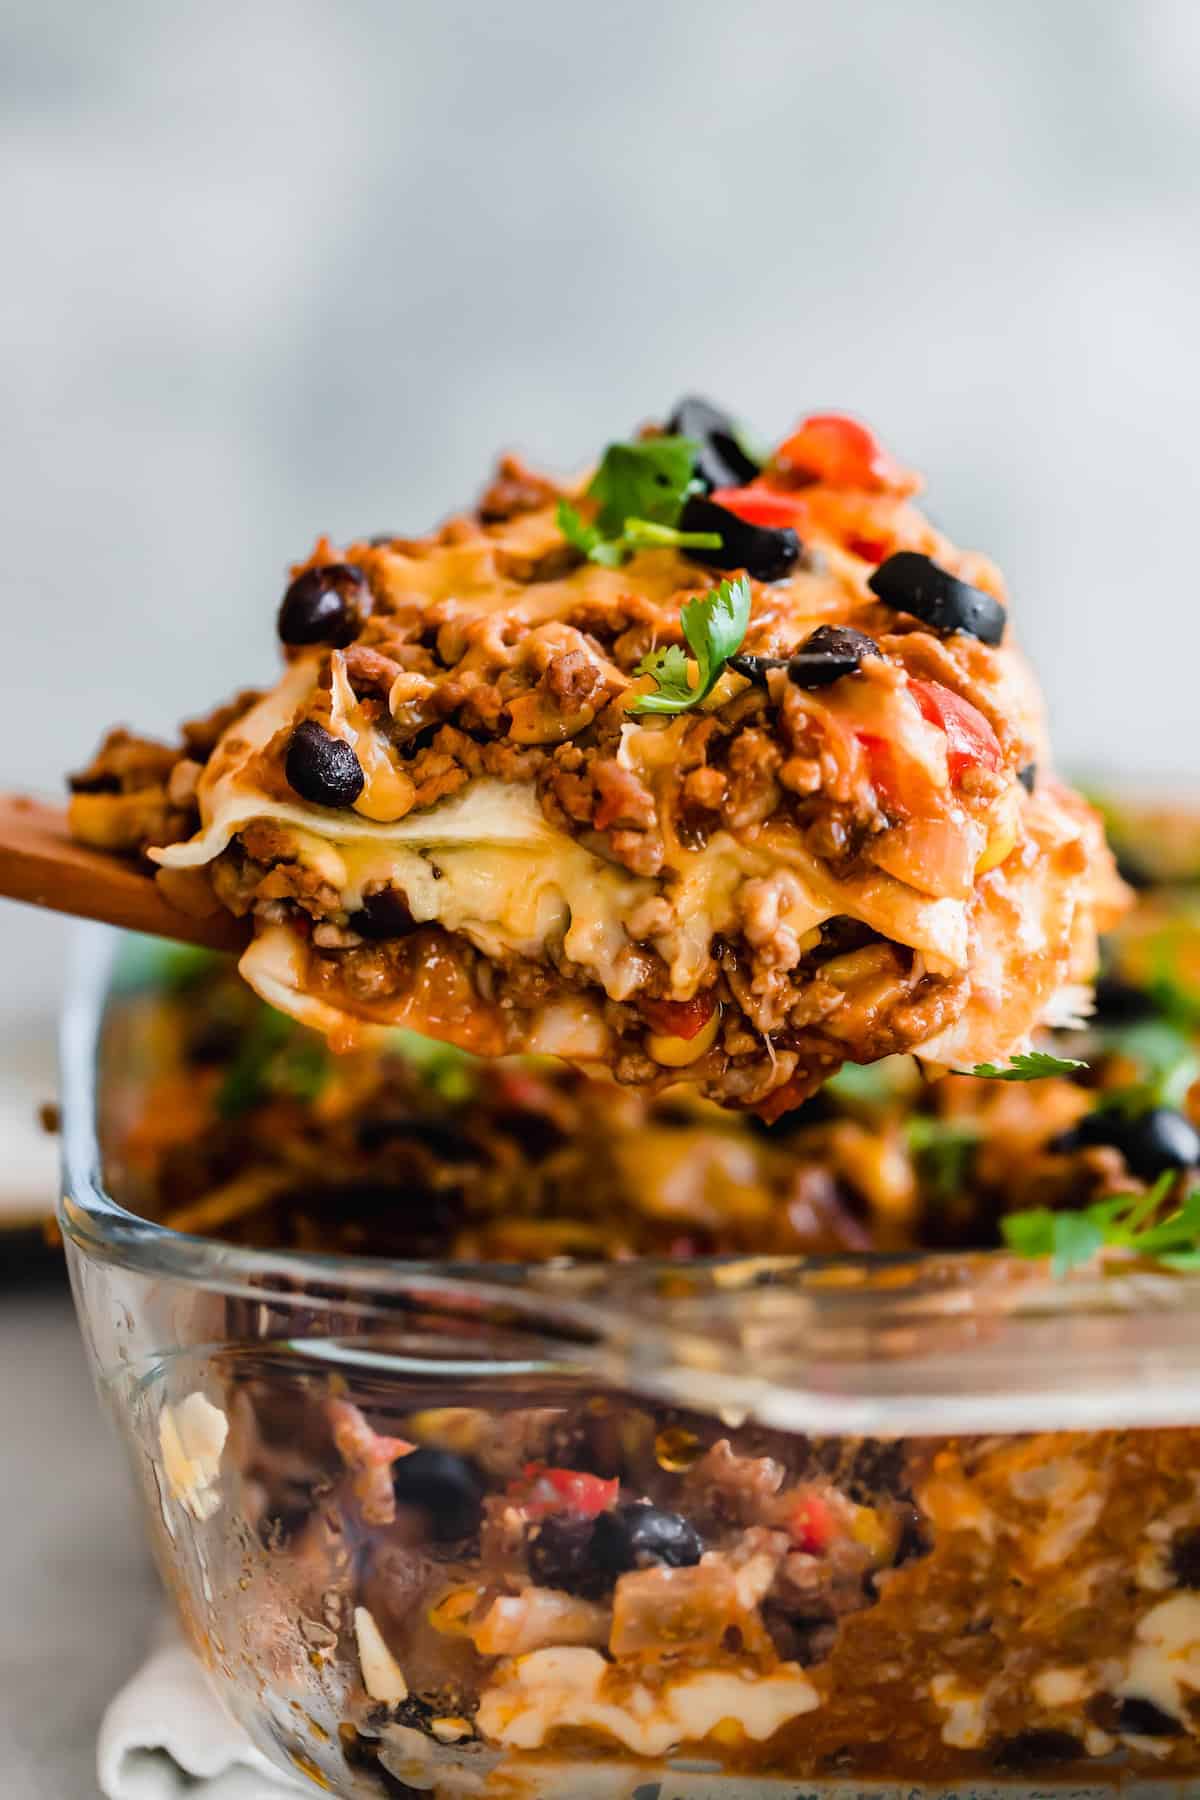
869	1084
1132	1222
639	490
583	536
944	1152
1030	1233
1170	1066
671	670
650	479
1027	1065
451	1073
714	626
1069	1238
276	1059
1076	1240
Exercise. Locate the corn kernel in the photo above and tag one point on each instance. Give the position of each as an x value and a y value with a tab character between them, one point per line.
869	1530
677	1449
675	1052
1002	840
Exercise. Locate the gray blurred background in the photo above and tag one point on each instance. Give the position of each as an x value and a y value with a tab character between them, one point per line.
271	269
278	268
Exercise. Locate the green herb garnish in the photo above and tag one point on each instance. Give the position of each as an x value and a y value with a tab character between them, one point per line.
864	1084
1028	1065
1172	996
650	479
637	534
447	1070
714	626
276	1059
944	1151
1169	1065
1122	1222
640	490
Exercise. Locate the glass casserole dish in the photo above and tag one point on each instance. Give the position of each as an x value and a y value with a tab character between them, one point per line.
653	1528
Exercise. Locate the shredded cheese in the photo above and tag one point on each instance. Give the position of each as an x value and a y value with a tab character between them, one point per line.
550	1690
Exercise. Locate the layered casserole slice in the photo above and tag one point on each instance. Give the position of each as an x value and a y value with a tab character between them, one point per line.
709	766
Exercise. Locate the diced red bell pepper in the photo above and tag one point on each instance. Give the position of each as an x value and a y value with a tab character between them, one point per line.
679	1018
568	1490
760	504
810	1524
970	741
836	450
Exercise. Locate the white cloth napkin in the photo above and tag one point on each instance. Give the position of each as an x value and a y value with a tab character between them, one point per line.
167	1735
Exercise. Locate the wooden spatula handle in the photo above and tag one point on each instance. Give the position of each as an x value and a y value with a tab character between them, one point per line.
41	864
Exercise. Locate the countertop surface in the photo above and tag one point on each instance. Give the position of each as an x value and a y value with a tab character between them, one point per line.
80	1592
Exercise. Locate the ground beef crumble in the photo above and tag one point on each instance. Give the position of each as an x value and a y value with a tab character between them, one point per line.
490	649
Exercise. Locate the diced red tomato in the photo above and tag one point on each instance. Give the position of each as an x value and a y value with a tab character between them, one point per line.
785	1099
567	1490
872	550
887	771
524	1091
679	1018
760	504
836	450
811	1525
970	741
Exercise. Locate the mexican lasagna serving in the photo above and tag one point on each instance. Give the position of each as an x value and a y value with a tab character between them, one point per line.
709	765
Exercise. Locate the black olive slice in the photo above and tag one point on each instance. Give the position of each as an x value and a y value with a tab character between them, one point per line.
384	914
638	1536
1120	1002
323	768
1143	1718
87	783
1151	1142
766	552
442	1137
559	1554
1031	1749
755	668
831	652
1028	777
1133	873
916	584
721	460
444	1486
1184	1560
325	606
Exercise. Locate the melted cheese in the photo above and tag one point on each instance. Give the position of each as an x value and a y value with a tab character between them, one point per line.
1032	924
276	967
1165	1663
574	1688
965	1726
488	864
382	1675
191	1438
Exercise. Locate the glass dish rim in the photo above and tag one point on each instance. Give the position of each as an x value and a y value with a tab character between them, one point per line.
100	1225
926	1343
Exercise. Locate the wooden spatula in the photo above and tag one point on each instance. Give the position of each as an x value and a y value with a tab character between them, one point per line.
41	864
